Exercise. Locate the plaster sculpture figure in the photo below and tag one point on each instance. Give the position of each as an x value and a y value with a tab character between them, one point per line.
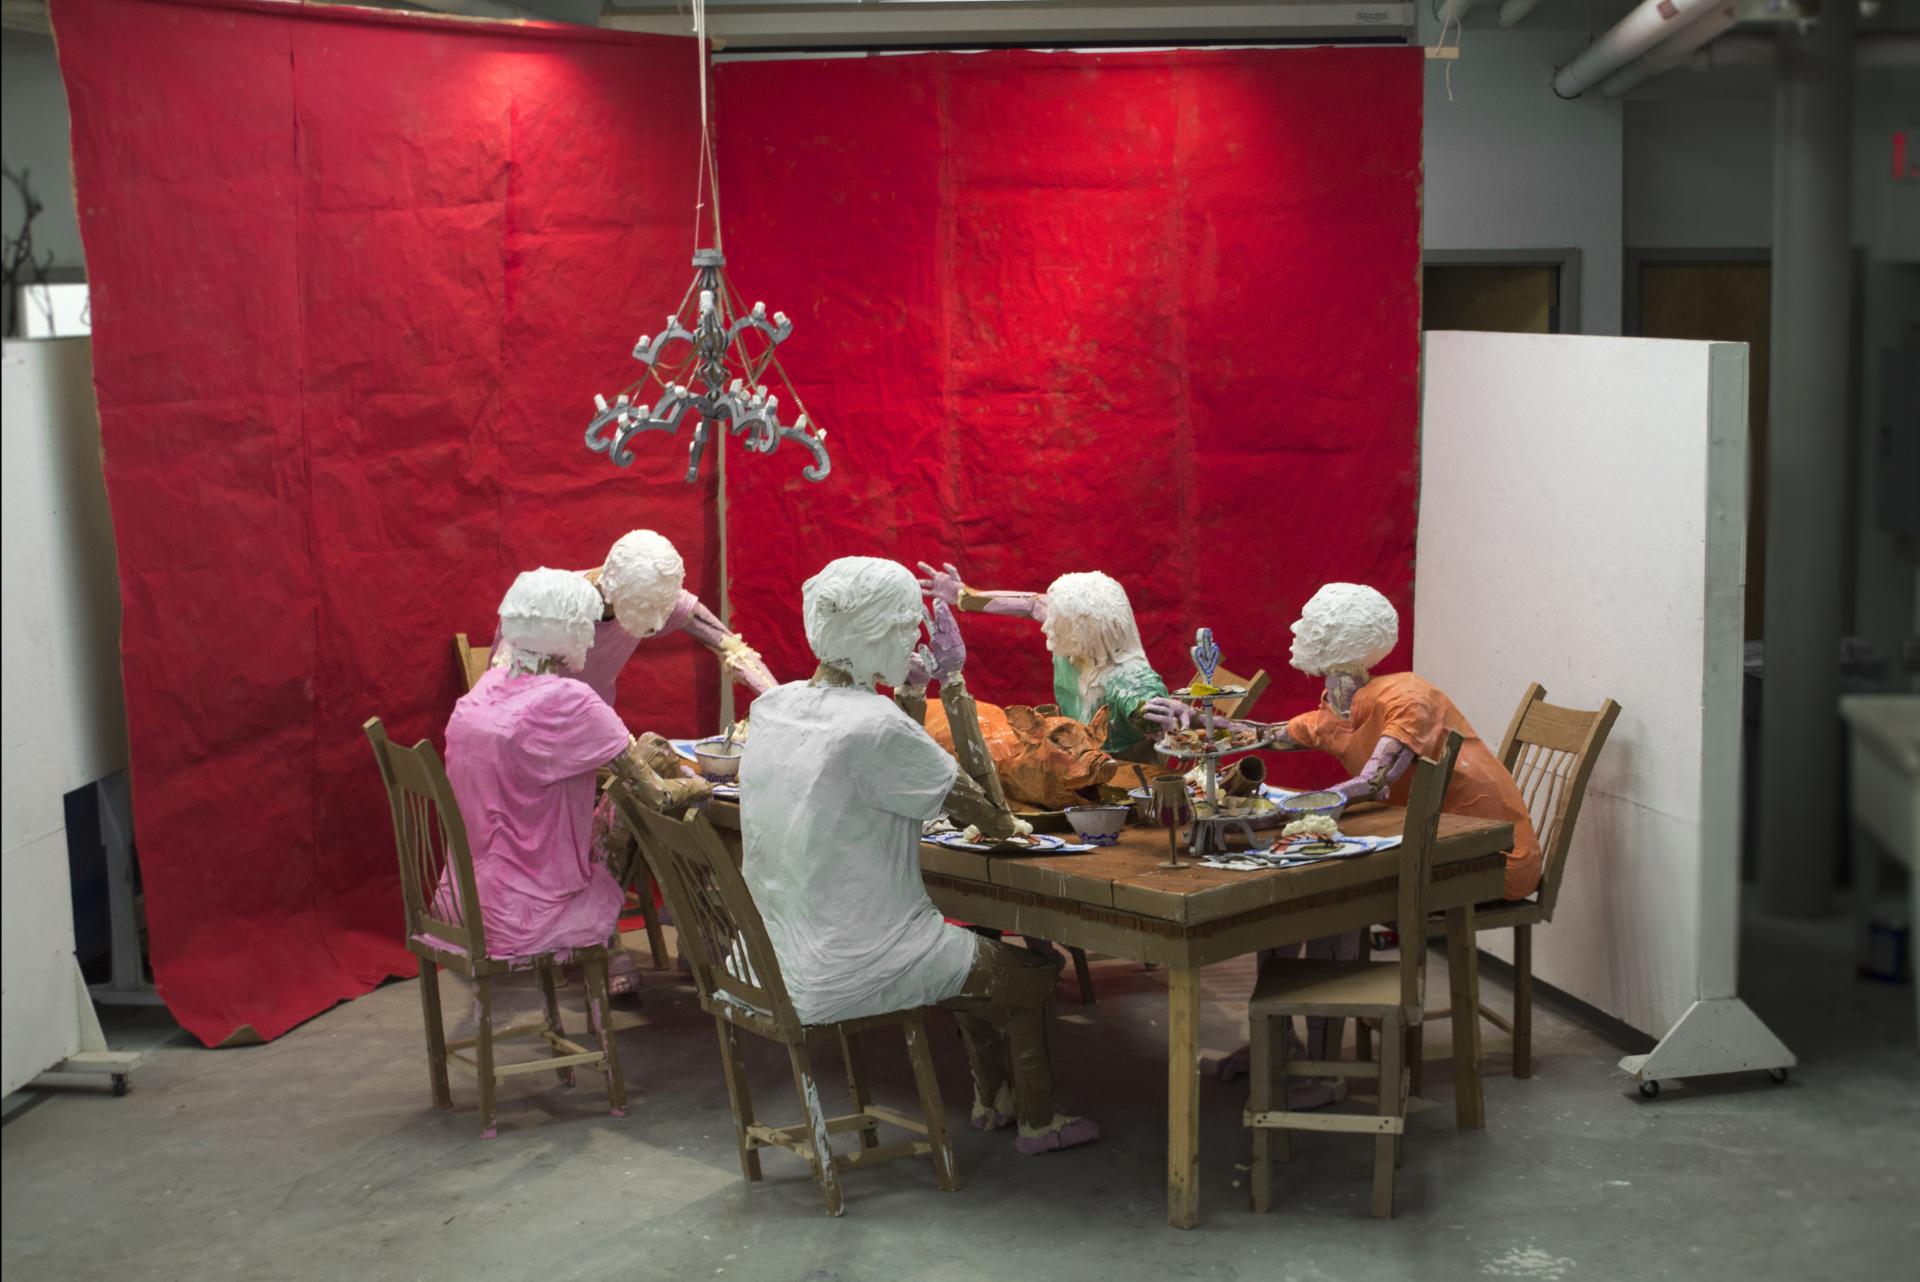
523	748
836	783
1098	662
1375	727
642	593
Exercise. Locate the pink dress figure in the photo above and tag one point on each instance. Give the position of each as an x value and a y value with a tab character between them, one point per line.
523	747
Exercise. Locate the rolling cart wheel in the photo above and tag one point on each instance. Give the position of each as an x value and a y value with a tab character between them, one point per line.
1649	1089
119	1083
1777	1076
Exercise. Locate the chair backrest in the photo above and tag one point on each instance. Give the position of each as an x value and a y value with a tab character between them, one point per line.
436	865
473	659
1430	780
720	930
1550	752
1241	707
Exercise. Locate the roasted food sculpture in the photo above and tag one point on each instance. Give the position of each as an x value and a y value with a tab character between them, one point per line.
1044	760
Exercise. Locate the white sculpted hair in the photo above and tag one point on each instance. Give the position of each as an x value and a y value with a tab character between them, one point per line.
1344	626
642	581
1090	624
549	614
856	610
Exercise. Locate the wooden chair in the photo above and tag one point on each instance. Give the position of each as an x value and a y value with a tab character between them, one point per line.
738	977
445	928
1394	993
473	659
1550	752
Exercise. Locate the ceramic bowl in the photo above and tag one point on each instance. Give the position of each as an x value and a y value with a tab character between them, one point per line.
719	761
1312	803
1099	825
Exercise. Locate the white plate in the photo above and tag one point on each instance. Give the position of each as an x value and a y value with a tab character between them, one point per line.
1043	844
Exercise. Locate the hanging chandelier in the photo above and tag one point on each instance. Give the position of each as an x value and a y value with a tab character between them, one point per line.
715	377
712	359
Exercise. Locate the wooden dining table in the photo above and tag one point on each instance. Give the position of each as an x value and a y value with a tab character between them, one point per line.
1119	901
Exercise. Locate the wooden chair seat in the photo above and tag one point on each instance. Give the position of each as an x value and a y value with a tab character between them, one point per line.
445	927
740	985
1322	986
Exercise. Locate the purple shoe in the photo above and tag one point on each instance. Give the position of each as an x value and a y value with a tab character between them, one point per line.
1075	1132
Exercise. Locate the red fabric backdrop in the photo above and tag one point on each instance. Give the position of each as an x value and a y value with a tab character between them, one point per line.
1155	314
355	281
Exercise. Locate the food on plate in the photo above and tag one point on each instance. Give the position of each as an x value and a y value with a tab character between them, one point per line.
1321	827
1198	742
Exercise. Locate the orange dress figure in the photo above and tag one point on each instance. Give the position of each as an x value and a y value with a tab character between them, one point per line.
1413	711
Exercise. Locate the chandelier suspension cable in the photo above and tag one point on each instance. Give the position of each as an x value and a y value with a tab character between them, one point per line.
707	180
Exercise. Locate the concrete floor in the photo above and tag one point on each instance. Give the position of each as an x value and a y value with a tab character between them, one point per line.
320	1157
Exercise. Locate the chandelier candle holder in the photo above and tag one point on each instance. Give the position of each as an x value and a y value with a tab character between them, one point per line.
716	377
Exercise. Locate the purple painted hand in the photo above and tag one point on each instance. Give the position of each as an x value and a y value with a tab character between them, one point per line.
1168	714
949	650
942	584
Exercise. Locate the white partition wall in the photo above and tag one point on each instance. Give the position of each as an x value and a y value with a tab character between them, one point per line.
1582	518
65	723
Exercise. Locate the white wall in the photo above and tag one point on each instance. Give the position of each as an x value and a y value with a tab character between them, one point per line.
1582	511
65	722
1511	166
33	136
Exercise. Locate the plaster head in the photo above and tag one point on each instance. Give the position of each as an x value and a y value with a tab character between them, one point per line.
1090	621
642	581
863	616
549	614
1347	627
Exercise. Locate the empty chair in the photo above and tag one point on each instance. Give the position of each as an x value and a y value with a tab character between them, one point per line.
738	977
1550	752
445	927
1393	993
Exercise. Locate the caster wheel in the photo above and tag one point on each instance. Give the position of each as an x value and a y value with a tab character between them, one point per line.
1649	1089
1777	1076
119	1083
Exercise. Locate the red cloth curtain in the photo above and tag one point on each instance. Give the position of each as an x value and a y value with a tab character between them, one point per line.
355	280
1155	314
356	277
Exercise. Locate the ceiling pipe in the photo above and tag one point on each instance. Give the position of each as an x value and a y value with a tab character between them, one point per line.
1649	24
1514	12
1672	51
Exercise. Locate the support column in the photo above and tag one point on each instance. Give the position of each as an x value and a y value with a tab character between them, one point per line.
1810	450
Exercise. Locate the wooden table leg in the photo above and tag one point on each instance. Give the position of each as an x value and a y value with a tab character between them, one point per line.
1463	979
1183	1096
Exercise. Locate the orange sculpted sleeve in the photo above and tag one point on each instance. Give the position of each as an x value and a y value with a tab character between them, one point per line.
1413	717
1305	728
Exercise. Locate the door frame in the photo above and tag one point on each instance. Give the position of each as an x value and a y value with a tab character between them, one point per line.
1567	260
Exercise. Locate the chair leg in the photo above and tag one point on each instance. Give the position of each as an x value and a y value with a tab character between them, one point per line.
1416	1057
600	1022
733	1068
1279	1042
1260	1100
436	1034
550	994
857	1084
1363	1031
932	1111
809	1090
650	914
1523	1001
1082	973
1384	1146
483	1051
